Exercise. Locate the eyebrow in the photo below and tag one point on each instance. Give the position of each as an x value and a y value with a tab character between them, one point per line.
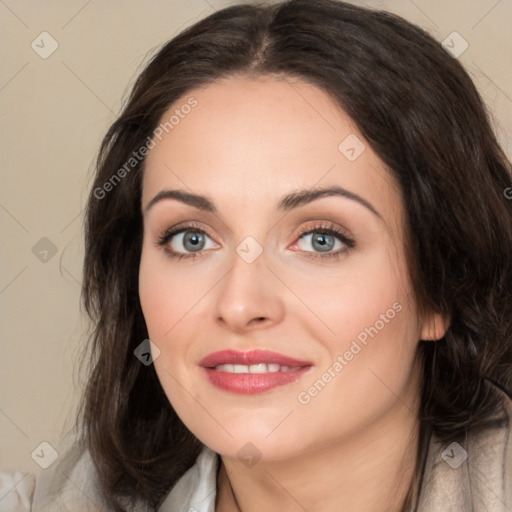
287	203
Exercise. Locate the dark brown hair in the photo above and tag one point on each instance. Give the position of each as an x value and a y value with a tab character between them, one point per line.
421	114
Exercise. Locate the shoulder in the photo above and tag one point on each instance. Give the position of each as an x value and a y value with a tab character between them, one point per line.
474	473
70	484
16	491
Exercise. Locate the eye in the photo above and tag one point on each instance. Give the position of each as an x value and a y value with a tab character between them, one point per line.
189	241
186	241
323	242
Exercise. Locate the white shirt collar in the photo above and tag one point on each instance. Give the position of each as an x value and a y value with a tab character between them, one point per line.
195	491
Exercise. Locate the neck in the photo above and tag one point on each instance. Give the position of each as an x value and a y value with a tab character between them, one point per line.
371	470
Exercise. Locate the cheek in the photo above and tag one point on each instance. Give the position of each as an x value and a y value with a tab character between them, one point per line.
167	300
363	294
369	329
167	296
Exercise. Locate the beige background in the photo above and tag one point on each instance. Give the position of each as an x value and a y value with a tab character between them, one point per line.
54	113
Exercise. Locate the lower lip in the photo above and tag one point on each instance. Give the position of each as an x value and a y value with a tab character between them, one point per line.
252	383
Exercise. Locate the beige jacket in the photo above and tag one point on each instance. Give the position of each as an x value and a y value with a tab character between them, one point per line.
474	476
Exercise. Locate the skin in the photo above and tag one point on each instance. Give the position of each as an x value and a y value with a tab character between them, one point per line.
249	142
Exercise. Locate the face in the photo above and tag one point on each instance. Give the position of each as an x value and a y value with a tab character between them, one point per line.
242	255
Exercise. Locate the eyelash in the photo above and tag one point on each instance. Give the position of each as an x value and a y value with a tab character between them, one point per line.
323	229
328	229
164	239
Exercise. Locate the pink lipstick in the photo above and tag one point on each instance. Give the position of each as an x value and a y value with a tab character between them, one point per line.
251	372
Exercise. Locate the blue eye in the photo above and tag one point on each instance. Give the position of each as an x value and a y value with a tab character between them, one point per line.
186	241
326	241
323	242
192	241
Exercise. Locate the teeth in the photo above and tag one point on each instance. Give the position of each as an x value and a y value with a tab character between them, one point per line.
225	368
258	368
255	368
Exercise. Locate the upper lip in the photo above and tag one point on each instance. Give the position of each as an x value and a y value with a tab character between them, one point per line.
250	357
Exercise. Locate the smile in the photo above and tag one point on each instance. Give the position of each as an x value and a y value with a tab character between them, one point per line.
254	368
251	372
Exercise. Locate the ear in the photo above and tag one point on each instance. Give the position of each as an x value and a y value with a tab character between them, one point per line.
434	327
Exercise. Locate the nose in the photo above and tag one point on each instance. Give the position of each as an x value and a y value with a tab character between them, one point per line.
248	297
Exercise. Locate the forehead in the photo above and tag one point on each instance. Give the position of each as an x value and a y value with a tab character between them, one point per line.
252	140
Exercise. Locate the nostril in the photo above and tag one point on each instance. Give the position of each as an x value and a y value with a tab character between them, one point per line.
258	320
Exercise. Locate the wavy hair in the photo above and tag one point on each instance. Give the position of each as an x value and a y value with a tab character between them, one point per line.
421	114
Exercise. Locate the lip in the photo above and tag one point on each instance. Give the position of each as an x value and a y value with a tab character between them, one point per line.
251	383
250	357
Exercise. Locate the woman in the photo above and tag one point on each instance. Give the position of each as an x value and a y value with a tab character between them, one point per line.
302	207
